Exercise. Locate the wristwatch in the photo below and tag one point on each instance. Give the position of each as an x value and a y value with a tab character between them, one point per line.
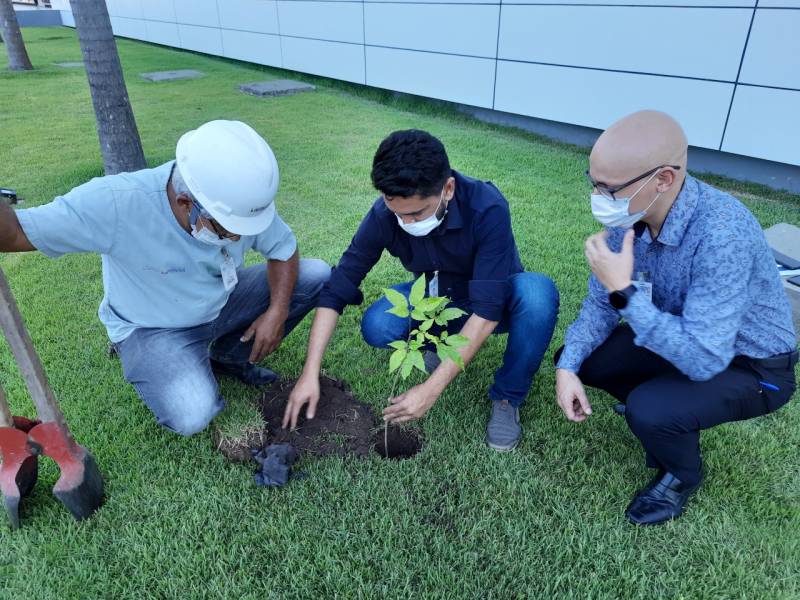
619	298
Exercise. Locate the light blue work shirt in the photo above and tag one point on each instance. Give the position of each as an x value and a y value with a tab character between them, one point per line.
155	274
716	292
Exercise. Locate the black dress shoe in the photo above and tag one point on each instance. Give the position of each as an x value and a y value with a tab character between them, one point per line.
246	373
663	500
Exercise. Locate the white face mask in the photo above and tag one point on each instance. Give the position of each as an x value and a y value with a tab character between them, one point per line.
209	237
424	227
615	213
202	234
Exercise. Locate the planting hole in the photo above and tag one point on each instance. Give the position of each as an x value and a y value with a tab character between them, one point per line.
403	443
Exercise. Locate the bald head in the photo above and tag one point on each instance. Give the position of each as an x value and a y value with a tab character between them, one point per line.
637	143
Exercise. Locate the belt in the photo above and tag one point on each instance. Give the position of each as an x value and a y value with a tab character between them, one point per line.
779	361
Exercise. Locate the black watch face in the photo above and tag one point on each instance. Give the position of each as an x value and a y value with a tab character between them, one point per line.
618	300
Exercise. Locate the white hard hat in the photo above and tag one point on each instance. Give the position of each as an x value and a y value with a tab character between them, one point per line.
232	172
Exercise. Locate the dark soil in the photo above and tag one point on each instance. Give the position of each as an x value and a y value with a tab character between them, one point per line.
343	426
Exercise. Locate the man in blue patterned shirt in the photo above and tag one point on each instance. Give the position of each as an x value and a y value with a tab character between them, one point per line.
686	321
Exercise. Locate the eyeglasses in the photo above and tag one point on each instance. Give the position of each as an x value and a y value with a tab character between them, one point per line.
609	191
221	232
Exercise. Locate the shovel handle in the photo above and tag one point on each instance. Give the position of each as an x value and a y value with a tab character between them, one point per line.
29	364
6	419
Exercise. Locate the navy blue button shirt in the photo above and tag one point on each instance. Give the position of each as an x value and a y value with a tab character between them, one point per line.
716	291
473	251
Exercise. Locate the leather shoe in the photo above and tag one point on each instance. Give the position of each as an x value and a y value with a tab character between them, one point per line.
246	373
663	500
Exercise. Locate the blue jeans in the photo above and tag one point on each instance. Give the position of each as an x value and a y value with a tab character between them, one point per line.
529	319
170	368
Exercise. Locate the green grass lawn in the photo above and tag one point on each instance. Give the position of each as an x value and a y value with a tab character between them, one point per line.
457	521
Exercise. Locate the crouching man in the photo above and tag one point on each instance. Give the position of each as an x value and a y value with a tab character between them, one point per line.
457	231
179	307
707	336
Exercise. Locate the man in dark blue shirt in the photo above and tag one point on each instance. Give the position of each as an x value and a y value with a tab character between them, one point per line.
457	231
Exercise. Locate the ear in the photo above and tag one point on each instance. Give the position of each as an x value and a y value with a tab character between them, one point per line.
665	179
449	189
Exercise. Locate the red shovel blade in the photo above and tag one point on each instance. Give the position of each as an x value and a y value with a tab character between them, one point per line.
19	470
80	487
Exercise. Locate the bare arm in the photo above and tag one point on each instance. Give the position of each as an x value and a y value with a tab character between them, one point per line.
268	329
12	237
307	388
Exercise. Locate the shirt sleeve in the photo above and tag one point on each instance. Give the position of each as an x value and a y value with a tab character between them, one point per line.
364	251
700	342
595	322
277	242
494	264
83	220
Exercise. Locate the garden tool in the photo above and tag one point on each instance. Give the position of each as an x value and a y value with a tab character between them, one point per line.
80	487
19	467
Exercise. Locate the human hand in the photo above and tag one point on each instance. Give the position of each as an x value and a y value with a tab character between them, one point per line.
411	405
266	333
613	269
571	396
305	391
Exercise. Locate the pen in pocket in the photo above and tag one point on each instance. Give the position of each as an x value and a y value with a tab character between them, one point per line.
769	386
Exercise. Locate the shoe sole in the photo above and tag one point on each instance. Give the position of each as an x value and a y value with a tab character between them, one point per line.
499	448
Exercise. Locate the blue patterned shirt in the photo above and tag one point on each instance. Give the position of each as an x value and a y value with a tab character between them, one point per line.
716	291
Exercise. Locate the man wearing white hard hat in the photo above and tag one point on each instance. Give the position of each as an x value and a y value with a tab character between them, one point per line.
179	306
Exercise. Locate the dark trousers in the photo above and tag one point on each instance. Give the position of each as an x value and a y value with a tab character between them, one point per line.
666	410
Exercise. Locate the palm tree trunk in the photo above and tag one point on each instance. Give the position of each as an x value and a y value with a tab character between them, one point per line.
116	127
9	27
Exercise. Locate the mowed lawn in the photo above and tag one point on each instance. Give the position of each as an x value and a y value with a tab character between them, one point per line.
458	520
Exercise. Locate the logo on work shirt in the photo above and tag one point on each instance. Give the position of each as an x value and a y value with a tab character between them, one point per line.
165	271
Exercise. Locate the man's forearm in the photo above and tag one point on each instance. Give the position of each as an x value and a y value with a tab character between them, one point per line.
282	277
477	330
325	320
12	237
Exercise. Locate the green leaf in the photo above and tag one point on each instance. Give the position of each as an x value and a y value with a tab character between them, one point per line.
457	341
429	305
449	314
398	345
418	315
417	360
408	364
396	359
426	325
417	291
446	352
396	298
400	311
415	345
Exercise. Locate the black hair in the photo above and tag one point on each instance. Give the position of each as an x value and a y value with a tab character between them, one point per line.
410	162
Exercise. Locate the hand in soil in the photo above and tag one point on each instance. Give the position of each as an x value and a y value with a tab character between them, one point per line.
306	390
414	404
266	333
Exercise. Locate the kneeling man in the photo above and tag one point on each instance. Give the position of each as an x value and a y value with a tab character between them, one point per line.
707	335
179	306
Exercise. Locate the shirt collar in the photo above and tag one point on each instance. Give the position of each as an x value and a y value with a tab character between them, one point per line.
679	216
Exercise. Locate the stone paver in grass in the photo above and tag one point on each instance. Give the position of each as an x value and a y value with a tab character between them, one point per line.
173	75
69	65
278	87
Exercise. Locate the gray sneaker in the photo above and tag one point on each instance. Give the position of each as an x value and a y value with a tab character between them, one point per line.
503	430
431	360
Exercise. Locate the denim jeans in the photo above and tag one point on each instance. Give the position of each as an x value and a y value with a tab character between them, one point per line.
170	368
529	319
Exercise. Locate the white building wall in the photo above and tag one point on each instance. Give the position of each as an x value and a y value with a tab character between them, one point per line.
728	70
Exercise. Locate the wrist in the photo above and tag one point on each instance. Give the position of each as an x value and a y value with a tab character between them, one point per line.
278	310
